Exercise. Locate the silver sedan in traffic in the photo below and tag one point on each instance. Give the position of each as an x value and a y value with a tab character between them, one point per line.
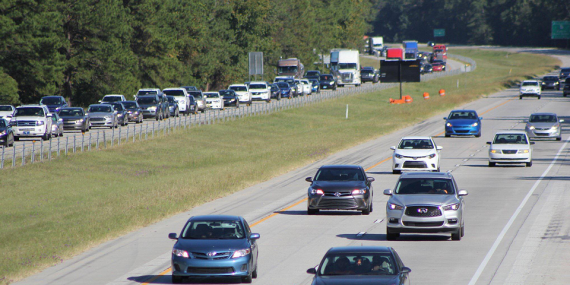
544	125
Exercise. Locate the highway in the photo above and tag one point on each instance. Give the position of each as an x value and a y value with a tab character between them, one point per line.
515	226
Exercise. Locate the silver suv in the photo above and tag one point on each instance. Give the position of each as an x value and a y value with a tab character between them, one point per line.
425	202
32	121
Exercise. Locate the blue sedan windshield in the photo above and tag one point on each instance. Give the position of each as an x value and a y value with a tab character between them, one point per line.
462	115
213	230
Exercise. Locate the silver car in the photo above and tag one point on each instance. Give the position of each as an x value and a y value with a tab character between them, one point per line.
102	115
56	125
544	125
425	202
510	147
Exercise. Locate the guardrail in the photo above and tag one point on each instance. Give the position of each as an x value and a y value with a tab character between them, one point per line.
39	151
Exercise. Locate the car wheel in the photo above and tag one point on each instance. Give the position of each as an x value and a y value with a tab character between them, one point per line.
462	231
447	135
559	138
6	144
390	235
176	279
254	273
529	164
520	97
396	171
438	169
538	97
492	164
456	235
478	135
246	279
312	211
111	127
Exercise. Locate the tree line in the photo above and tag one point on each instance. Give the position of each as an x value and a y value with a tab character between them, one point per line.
84	49
480	22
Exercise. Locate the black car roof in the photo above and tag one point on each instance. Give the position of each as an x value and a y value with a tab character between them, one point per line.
215	218
359	249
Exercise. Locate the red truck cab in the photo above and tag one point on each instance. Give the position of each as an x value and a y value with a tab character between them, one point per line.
440	50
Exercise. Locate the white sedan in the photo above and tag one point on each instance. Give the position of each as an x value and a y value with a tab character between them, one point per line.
510	147
214	100
415	153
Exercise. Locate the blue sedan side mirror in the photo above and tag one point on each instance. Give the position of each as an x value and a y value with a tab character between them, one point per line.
254	236
172	236
445	118
312	271
480	118
406	270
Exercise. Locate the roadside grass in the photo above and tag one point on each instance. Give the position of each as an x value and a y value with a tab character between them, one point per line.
53	211
368	61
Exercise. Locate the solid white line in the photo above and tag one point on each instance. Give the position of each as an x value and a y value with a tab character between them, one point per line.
513	218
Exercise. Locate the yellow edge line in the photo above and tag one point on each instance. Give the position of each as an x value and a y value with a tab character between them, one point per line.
496	107
377	164
158	276
278	212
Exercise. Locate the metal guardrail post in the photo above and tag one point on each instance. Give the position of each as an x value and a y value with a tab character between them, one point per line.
89	144
82	140
119	140
14	156
42	149
49	152
58	146
24	154
2	165
74	143
113	137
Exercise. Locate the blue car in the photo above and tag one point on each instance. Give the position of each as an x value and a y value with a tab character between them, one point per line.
316	85
286	91
54	103
215	246
463	123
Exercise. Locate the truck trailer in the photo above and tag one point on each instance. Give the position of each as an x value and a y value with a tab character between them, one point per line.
410	50
290	67
345	67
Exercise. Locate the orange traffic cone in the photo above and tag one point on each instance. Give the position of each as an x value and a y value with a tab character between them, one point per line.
426	95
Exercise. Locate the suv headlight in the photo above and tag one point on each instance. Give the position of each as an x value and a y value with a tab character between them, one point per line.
475	124
358	191
317	192
555	127
79	121
452	207
241	253
393	206
152	108
531	127
2	132
180	253
40	123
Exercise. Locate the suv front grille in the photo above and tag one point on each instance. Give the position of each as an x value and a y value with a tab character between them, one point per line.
340	193
423	211
509	151
97	119
423	224
25	123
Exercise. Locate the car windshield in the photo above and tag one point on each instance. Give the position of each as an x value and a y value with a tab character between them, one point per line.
339	174
71	112
112	99
118	107
196	94
423	186
366	71
146	100
238	88
358	264
211	95
312	73
347	66
130	104
314	81
213	230
543	119
415	144
147	92
24	111
171	99
510	139
326	77
283	84
257	86
286	69
530	84
190	88
102	109
173	92
51	101
5	108
550	78
462	115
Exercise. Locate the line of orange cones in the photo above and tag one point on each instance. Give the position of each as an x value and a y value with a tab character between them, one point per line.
409	99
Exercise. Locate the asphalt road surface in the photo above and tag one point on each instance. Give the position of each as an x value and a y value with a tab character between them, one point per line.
515	226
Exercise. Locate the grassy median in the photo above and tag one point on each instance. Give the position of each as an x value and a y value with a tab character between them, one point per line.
52	211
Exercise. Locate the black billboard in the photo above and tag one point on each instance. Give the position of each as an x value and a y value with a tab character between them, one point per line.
400	71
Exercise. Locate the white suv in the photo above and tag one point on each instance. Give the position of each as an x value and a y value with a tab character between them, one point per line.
32	121
259	91
530	88
181	96
243	93
307	87
113	98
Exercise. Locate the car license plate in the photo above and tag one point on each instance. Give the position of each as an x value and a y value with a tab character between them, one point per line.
26	133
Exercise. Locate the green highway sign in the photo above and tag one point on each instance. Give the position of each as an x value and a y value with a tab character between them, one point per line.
560	30
438	32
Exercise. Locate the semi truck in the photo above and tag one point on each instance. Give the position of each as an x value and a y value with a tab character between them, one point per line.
410	50
440	52
290	67
395	53
375	45
345	67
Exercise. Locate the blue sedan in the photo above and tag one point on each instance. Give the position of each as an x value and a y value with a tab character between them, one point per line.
215	246
463	123
285	89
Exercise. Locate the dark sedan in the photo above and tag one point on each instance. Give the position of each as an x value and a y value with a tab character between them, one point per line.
230	98
215	246
134	111
425	68
173	106
193	105
327	82
275	91
286	90
340	187
361	265
74	118
54	103
6	133
550	82
369	74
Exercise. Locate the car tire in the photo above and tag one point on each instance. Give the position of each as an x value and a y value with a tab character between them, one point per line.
529	164
462	231
456	235
478	135
520	97
61	134
177	279
447	135
366	211
538	97
6	144
247	279
559	138
390	235
396	171
254	273
438	169
312	211
492	164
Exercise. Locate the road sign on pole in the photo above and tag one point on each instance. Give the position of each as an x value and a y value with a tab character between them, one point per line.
256	64
560	30
438	33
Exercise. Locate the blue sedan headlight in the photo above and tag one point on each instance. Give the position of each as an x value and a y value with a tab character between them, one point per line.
180	253
241	253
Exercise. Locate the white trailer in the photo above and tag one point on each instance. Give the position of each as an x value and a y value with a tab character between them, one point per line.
376	44
345	66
